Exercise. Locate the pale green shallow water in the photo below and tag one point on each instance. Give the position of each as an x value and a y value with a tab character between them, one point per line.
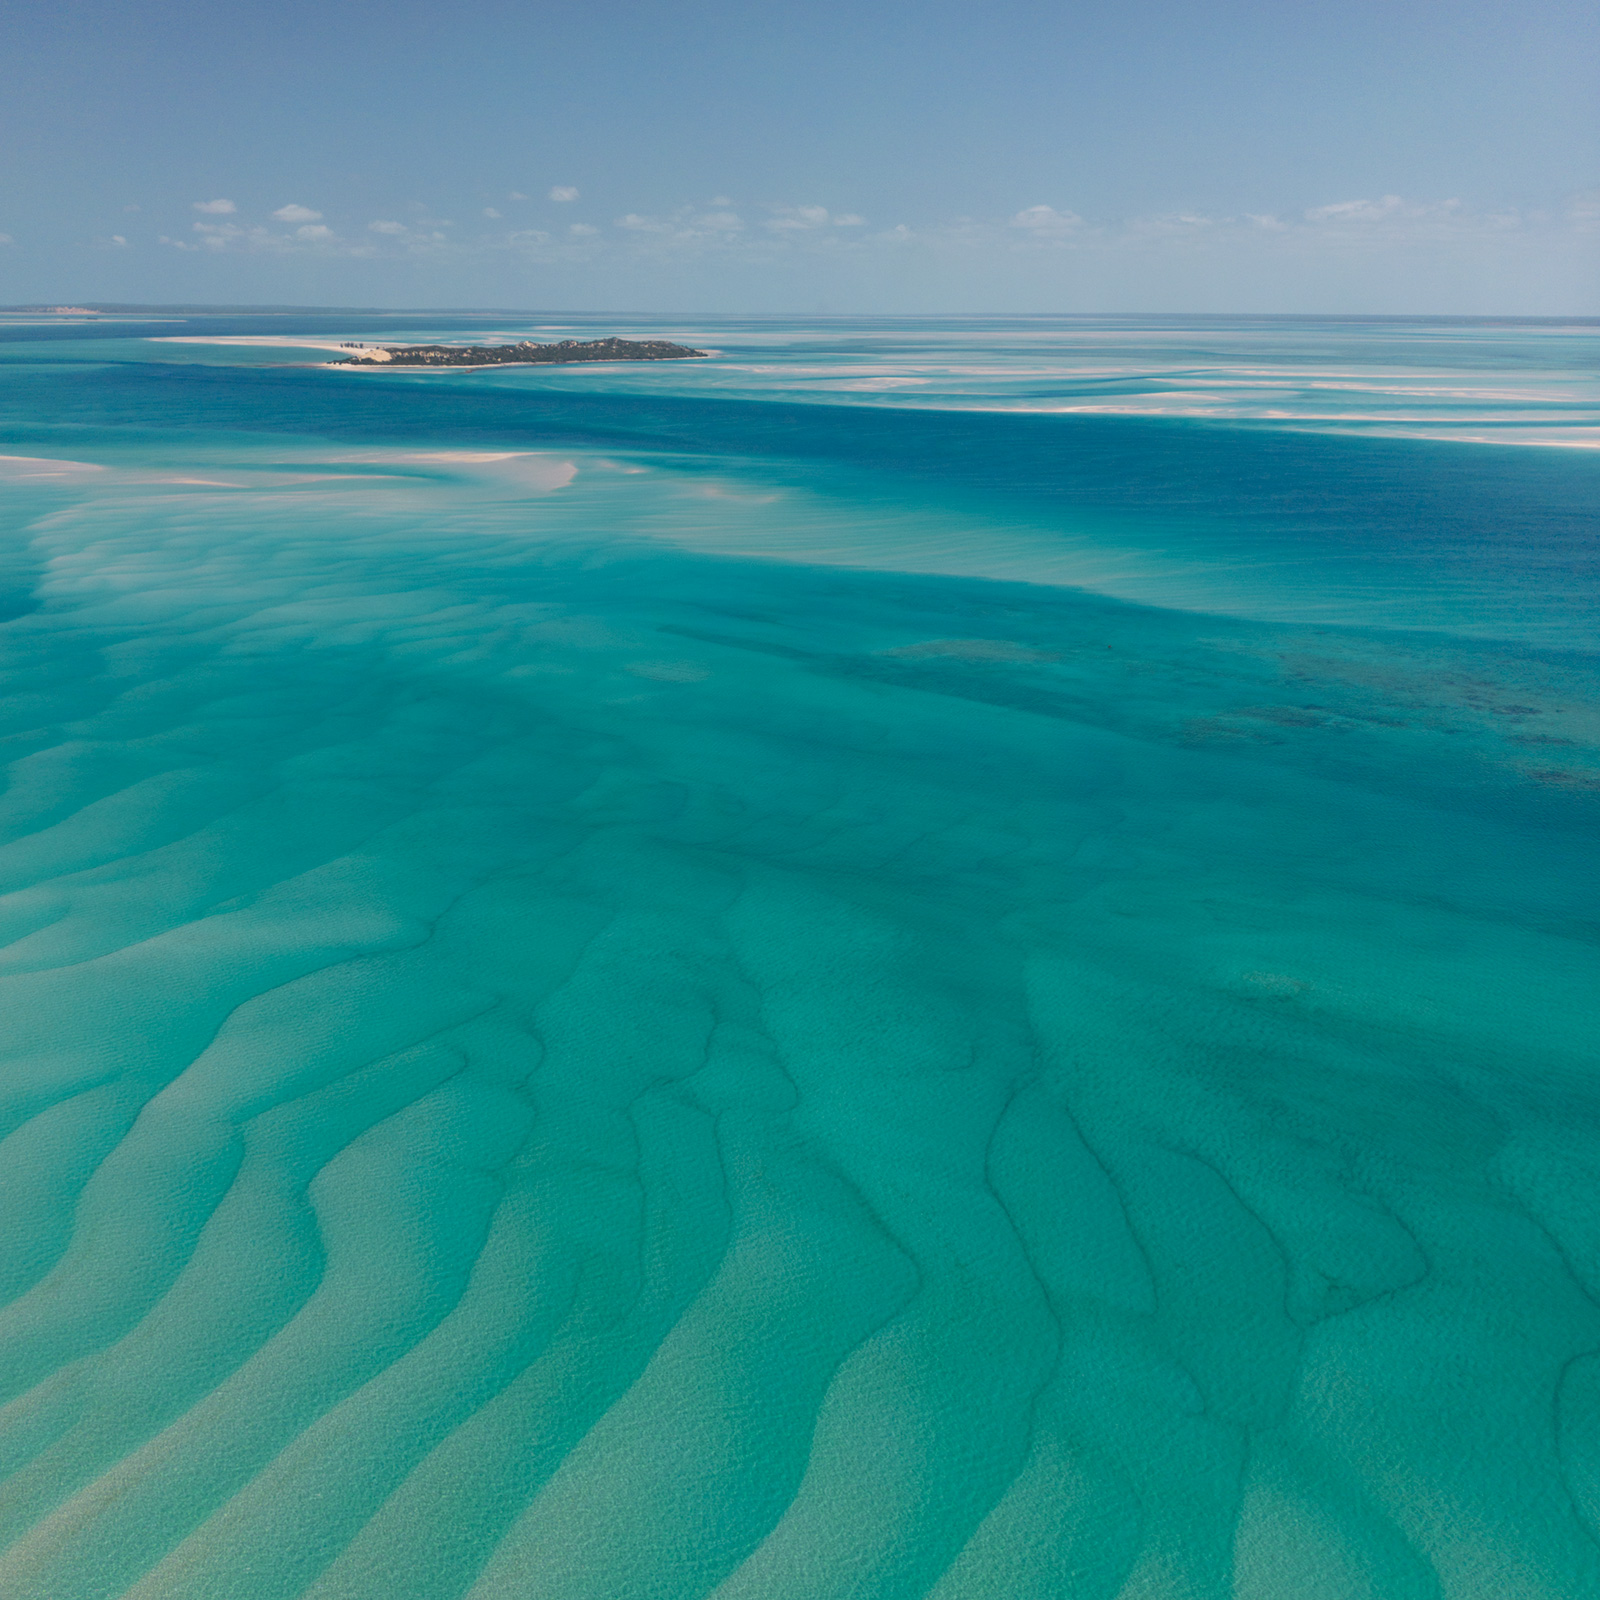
545	1064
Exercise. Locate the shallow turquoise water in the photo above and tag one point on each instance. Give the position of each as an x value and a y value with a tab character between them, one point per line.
687	981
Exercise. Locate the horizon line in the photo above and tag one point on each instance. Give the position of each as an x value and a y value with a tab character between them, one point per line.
193	308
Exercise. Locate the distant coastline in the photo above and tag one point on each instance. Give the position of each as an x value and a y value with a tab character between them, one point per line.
524	354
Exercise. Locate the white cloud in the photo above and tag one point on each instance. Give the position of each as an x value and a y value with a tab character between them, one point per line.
797	219
216	208
5	238
1390	209
691	231
231	236
1369	226
1170	224
578	242
294	213
1583	210
1365	224
563	192
1046	222
119	242
514	195
1357	210
685	229
1347	230
721	201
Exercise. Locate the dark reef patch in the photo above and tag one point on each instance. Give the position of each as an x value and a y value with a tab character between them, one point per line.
495	355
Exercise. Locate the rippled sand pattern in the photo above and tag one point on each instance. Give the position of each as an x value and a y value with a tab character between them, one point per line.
573	1072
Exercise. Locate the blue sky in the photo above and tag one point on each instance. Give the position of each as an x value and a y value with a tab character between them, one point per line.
872	156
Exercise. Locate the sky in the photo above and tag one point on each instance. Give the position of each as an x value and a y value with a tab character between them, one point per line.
1366	156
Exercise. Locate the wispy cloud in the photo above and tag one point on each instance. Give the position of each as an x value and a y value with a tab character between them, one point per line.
809	219
219	237
216	208
686	231
213	236
1171	225
797	219
719	229
5	238
1045	222
563	192
425	237
1391	221
1359	210
1583	211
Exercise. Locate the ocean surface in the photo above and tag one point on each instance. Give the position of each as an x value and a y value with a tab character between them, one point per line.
944	958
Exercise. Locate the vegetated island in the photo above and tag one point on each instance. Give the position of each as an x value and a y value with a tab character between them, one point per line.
498	355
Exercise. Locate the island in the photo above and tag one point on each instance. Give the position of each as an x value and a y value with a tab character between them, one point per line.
499	355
